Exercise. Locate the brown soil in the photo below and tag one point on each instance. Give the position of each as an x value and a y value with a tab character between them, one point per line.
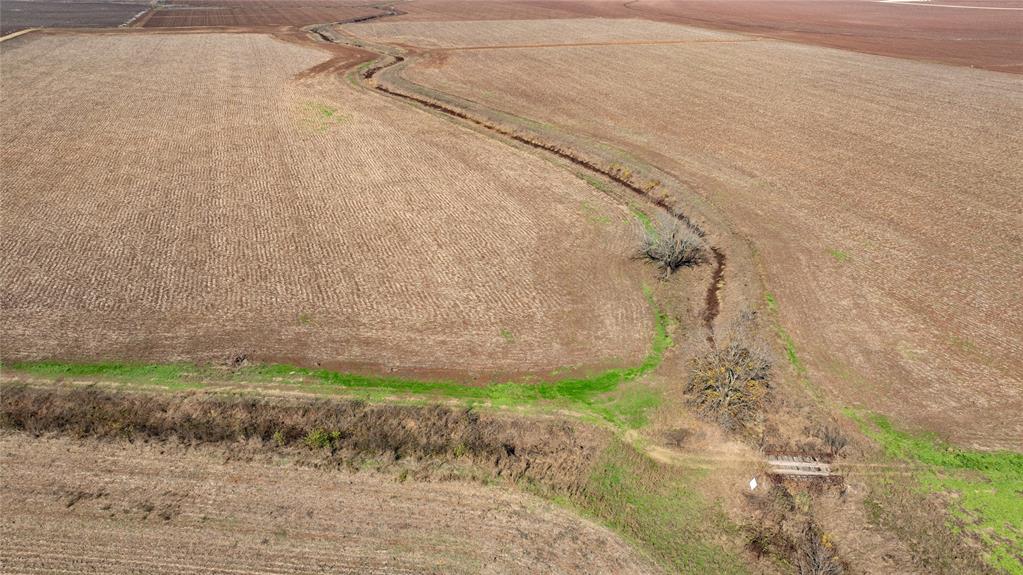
84	505
20	14
978	38
256	13
963	36
832	163
267	208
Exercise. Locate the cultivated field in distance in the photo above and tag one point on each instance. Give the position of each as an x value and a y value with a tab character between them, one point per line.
21	14
974	33
189	13
882	194
246	214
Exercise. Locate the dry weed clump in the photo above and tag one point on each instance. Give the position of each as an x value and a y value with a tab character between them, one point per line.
830	435
671	245
782	527
729	384
556	454
816	552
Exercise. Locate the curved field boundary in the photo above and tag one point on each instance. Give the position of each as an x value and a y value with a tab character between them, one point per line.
582	394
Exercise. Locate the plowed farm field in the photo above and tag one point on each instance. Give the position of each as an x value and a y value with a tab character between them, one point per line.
86	506
882	195
297	13
20	14
207	197
974	33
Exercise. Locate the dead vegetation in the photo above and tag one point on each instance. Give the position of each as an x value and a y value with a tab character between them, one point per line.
671	245
783	527
340	432
730	383
922	522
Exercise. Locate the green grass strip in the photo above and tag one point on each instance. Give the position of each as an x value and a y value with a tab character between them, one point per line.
586	393
988	485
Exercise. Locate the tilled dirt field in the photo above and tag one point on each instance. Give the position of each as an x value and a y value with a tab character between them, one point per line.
881	194
256	13
974	33
89	506
159	210
554	32
20	14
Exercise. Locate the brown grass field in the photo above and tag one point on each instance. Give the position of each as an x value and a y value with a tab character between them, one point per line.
87	506
255	211
882	194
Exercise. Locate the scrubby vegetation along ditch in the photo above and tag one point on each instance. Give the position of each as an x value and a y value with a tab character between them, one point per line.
603	396
672	245
730	384
985	489
783	527
580	466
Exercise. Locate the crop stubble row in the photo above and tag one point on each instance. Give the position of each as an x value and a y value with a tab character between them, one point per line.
158	211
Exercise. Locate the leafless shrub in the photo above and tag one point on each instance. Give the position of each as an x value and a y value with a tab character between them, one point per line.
671	245
729	384
831	435
816	554
677	437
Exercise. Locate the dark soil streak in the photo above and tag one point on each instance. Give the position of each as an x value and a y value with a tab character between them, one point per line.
713	300
551	148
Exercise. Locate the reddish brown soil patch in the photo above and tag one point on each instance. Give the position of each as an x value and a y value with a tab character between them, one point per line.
981	38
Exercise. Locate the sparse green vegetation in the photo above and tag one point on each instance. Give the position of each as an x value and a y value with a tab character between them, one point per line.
648	224
595	182
987	486
322	439
594	214
657	508
321	116
840	256
787	342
